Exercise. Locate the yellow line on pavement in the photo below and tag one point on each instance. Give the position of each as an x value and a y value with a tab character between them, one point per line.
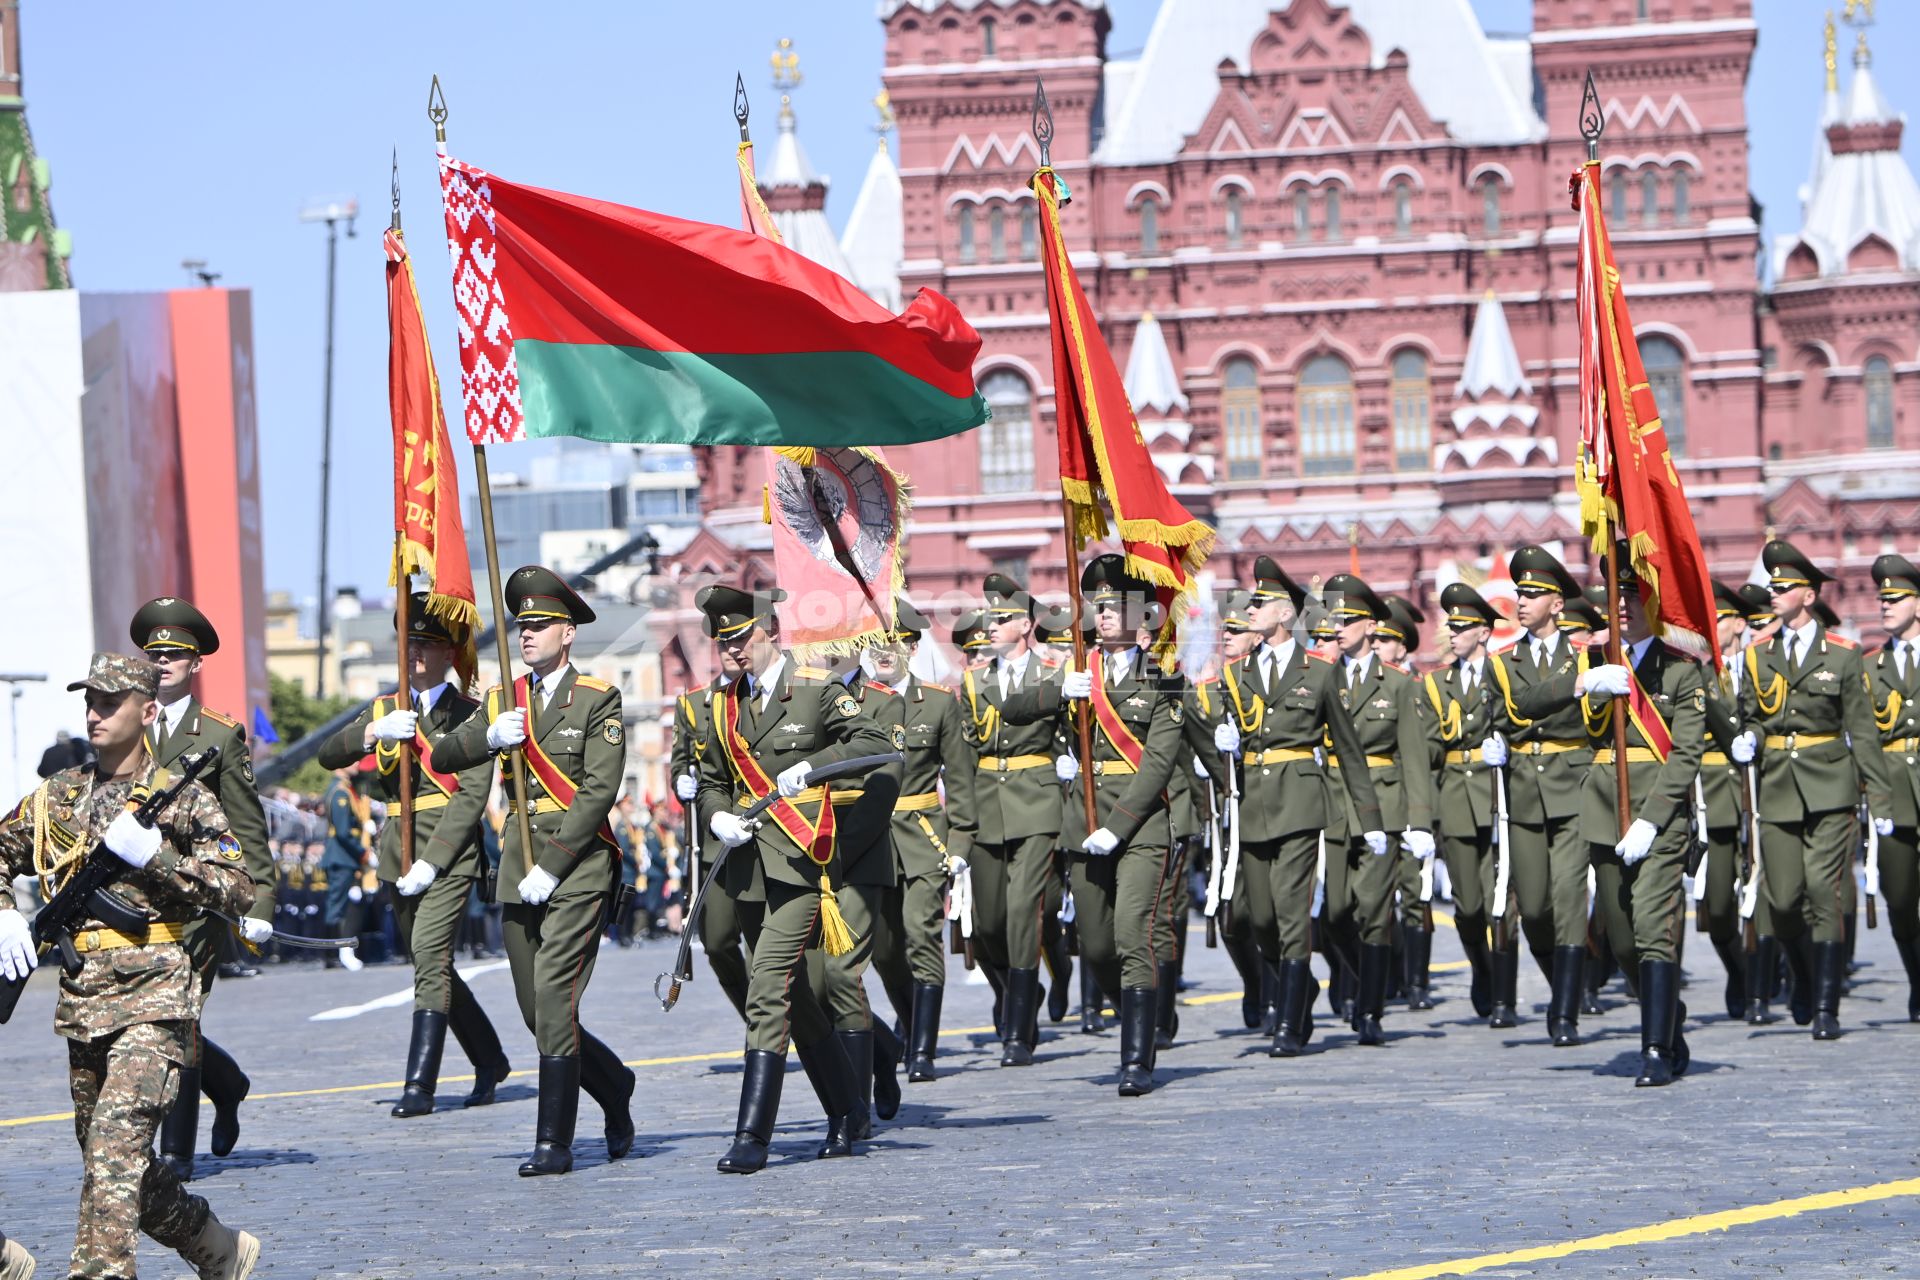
1673	1229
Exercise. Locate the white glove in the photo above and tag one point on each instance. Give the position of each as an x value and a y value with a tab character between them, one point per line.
396	726
1609	678
1883	826
956	866
1493	752
1066	768
1199	769
793	778
538	887
1226	738
1743	748
1419	843
1637	843
1376	843
729	829
1101	843
418	877
686	786
510	730
132	843
1076	685
258	932
17	954
355	894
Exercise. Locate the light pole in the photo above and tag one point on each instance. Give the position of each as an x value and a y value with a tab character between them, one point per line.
333	213
13	680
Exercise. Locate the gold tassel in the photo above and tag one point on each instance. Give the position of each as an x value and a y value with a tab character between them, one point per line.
836	939
766	505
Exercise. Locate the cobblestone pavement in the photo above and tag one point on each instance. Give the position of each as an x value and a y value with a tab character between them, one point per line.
1452	1143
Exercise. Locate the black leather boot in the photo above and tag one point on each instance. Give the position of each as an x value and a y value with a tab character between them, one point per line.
1269	999
1909	949
1419	983
888	1053
1092	1021
559	1109
1137	1008
480	1042
1473	941
1504	970
1060	966
833	1076
1734	961
759	1103
1247	963
1763	962
180	1131
226	1086
1022	1006
997	979
1596	971
1800	979
1370	997
609	1082
924	1034
1294	1009
858	1048
1659	996
1830	975
423	1064
1563	1005
1166	1022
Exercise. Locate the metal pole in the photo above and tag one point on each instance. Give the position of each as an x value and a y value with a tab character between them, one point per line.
326	468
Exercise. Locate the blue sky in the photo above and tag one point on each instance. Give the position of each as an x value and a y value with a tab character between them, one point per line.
199	131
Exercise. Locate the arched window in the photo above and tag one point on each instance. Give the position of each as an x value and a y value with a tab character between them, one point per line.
1333	213
1029	231
1149	225
1302	213
997	233
989	43
1240	419
1412	412
1006	438
1649	198
1490	205
1325	400
1233	217
1667	375
965	226
1402	208
1682	196
1617	198
1879	385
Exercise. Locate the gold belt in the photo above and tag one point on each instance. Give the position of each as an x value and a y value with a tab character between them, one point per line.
848	797
113	940
1709	759
1551	746
1788	741
541	804
809	796
1468	755
1635	755
1373	761
917	804
1113	766
1007	764
1277	755
431	800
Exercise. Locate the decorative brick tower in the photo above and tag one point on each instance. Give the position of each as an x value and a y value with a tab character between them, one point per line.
33	252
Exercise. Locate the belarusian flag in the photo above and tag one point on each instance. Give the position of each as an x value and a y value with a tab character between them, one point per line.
583	318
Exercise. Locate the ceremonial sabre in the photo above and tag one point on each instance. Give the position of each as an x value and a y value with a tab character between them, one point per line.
1502	864
1750	892
1216	859
1230	879
960	909
1706	853
683	963
1872	886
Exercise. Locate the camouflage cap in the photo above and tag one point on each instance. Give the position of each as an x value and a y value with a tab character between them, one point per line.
120	673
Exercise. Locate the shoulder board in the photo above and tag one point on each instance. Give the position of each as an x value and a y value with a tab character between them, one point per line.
458	698
874	686
1842	641
812	673
492	689
1319	657
937	688
592	682
1579	644
1206	680
1049	660
1675	651
217	718
1394	666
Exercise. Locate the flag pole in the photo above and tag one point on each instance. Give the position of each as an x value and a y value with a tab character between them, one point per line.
1043	138
1592	125
403	623
515	768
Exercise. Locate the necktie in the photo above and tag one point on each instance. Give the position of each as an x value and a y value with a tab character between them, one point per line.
161	735
1901	658
1353	674
1468	679
1118	671
1540	656
1793	652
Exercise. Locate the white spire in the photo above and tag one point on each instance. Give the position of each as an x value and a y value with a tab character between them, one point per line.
875	239
1151	382
790	167
1493	366
1864	103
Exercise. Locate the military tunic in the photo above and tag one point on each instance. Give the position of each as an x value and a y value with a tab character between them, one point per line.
1382	706
720	934
1896	713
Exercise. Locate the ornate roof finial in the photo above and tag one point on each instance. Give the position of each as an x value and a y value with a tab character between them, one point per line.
1862	56
1832	57
883	103
786	76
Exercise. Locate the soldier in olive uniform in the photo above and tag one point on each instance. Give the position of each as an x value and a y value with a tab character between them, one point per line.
1546	779
1381	704
130	1016
1806	710
1896	713
1638	872
1120	867
567	739
1284	705
1720	793
931	832
719	923
1053	642
772	726
1765	968
1394	640
430	896
176	637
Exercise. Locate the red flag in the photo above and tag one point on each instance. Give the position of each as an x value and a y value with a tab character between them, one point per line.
1102	453
1628	487
426	488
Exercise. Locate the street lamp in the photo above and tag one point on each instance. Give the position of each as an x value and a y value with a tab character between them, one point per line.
13	680
332	212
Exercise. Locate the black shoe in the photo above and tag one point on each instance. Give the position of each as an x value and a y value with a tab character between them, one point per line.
1060	973
1092	1000
559	1109
832	1074
1022	1004
1419	956
1909	949
1659	1001
180	1130
1370	995
1597	972
1762	962
1682	1055
1137	1009
1473	941
1269	999
609	1082
480	1043
858	1050
1563	1005
887	1055
1830	976
423	1064
924	1033
1800	982
1166	1022
226	1086
1295	1009
759	1103
1504	973
1734	961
